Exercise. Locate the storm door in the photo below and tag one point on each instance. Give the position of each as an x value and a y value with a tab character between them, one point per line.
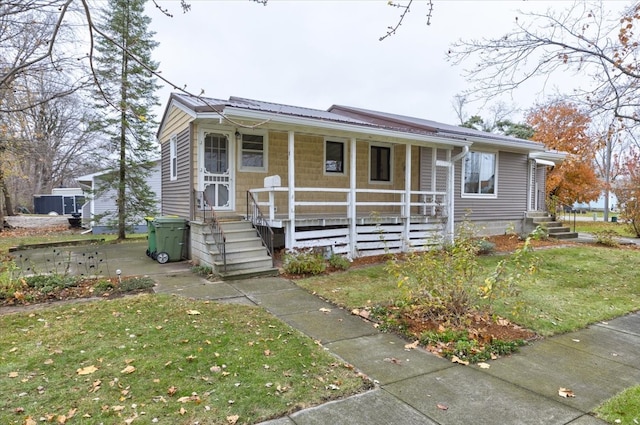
216	171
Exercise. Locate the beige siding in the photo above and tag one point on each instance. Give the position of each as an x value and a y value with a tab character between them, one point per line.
176	121
309	169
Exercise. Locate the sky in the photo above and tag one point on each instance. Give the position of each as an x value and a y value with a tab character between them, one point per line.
317	53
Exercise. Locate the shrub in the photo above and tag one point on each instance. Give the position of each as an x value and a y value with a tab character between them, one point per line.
135	284
440	284
304	263
486	247
47	283
202	270
539	234
339	262
607	238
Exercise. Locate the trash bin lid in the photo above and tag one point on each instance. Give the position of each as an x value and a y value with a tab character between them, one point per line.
169	219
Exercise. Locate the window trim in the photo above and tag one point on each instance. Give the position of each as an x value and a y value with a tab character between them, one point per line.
173	158
391	156
343	142
265	151
493	195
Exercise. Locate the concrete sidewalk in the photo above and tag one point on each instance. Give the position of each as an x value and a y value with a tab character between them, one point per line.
415	387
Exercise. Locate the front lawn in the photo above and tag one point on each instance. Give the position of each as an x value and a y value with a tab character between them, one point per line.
575	286
160	359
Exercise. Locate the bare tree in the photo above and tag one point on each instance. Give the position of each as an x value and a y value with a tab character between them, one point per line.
584	39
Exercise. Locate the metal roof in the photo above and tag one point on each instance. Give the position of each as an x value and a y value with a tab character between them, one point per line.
354	116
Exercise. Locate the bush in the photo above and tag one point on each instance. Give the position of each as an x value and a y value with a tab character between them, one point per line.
440	284
304	263
539	234
135	284
607	238
486	247
339	262
47	283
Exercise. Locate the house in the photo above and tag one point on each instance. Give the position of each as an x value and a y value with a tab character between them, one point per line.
99	212
348	181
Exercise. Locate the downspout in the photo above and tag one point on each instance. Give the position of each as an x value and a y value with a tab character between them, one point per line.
450	229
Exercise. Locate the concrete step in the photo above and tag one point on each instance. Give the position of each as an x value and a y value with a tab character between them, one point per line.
240	253
558	229
564	235
248	273
548	224
245	263
236	244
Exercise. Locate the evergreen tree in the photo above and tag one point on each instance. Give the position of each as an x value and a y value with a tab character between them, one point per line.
123	64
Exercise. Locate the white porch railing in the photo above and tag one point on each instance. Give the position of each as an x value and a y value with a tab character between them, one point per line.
428	203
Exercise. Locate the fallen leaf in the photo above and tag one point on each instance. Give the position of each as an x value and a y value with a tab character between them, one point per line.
193	312
129	369
184	399
182	411
565	392
267	353
325	310
13	374
392	360
412	346
48	361
30	421
117	408
456	359
86	370
172	390
232	419
484	365
442	406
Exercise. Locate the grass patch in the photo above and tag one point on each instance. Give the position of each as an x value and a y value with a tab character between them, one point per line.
7	240
599	226
161	359
575	286
622	409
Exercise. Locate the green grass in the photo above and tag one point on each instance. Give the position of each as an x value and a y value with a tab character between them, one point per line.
598	226
575	287
188	362
7	242
622	409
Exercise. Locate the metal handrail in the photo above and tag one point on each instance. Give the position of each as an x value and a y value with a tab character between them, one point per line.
554	203
261	224
216	231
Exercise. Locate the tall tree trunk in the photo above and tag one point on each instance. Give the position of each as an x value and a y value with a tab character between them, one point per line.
7	200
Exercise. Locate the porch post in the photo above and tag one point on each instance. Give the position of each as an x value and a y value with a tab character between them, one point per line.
291	183
353	234
434	176
451	175
407	198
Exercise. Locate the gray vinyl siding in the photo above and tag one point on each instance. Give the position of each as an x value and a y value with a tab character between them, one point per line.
426	163
511	203
177	195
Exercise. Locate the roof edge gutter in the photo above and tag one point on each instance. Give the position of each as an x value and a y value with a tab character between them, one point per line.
331	125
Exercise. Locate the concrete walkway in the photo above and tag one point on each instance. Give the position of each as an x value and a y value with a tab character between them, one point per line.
416	387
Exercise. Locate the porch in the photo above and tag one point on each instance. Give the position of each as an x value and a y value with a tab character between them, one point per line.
351	222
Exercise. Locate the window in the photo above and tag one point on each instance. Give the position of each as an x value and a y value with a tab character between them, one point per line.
333	157
173	157
380	163
479	173
253	152
215	153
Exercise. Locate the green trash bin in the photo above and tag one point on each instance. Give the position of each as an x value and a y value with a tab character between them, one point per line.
151	238
170	238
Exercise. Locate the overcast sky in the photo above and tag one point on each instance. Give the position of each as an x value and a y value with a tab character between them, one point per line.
319	53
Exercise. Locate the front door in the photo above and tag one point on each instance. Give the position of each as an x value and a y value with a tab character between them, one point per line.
216	170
